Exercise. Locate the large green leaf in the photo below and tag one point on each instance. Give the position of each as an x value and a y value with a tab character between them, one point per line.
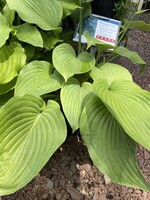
2	20
130	105
131	55
4	34
93	41
140	25
12	59
29	34
50	40
9	15
68	64
111	149
72	95
111	72
37	78
69	6
30	132
46	14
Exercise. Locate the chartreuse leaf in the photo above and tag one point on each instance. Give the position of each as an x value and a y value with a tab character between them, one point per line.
68	64
110	148
9	15
4	30
2	20
93	41
111	72
38	78
4	34
130	105
131	55
12	59
47	15
50	40
72	95
30	132
29	34
69	6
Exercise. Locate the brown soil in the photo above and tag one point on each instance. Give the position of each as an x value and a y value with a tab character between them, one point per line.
70	174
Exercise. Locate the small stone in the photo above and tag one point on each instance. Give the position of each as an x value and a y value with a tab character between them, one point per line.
87	167
107	180
146	155
82	173
50	184
130	190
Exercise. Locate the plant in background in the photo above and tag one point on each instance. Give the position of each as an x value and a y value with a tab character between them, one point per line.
123	8
40	72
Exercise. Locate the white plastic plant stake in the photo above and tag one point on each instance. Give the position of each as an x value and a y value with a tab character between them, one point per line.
139	2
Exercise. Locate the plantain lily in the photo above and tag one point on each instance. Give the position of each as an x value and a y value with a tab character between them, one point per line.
43	81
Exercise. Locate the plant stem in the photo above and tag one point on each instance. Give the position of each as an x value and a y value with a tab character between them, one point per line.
80	28
127	27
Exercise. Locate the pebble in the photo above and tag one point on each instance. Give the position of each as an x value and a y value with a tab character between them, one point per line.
50	184
130	190
107	180
146	155
87	167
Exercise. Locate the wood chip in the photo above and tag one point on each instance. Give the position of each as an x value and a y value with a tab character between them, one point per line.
75	194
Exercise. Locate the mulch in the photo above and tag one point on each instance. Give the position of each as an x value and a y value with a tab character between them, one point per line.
70	173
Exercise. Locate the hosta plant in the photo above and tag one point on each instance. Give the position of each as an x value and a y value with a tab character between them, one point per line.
45	84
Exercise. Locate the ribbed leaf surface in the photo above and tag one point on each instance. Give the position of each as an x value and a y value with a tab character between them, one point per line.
29	34
38	78
9	15
72	96
111	149
69	6
30	132
111	72
130	105
68	64
12	59
46	14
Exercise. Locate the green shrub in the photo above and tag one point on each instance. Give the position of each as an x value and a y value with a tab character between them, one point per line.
40	72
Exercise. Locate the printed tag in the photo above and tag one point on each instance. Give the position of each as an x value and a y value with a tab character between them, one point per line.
102	28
